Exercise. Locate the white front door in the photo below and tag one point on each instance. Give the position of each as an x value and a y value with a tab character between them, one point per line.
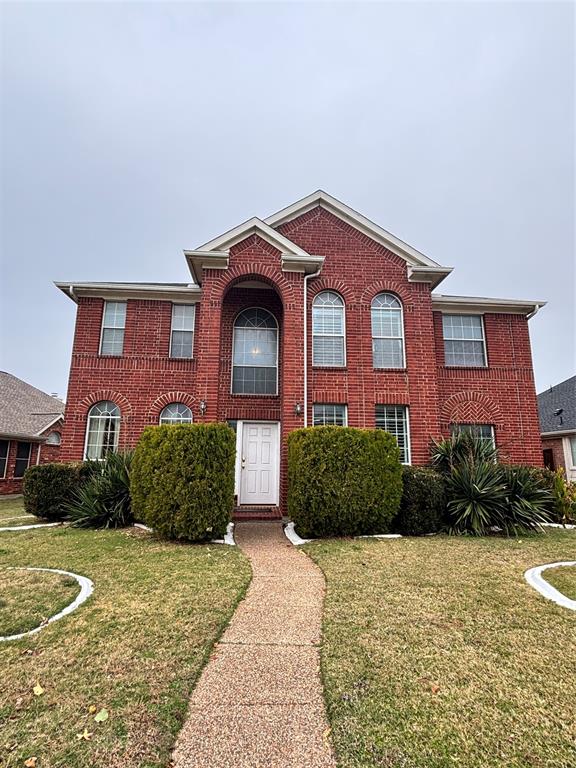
259	463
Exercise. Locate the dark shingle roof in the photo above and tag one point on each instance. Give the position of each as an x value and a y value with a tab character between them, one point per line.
563	396
25	410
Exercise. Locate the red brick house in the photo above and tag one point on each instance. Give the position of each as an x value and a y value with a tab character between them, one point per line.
382	348
30	430
557	408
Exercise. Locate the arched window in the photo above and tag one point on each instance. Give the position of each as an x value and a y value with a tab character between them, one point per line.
387	332
255	353
328	347
54	438
176	413
103	430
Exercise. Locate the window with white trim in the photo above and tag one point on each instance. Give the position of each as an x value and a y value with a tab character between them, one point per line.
4	451
54	438
23	452
255	353
329	414
464	341
387	332
482	431
328	330
573	450
102	430
176	413
182	330
113	325
394	419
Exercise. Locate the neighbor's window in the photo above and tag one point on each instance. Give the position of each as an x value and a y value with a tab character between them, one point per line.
4	450
464	343
482	431
113	324
329	414
103	430
54	438
23	451
573	450
182	332
255	353
328	347
394	419
176	413
387	332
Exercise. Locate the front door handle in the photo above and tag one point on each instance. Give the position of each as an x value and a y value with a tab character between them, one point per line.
243	462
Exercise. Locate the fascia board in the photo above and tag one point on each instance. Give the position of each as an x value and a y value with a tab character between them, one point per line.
122	291
480	305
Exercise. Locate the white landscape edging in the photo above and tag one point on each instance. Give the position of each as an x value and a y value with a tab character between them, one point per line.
86	589
228	536
293	537
28	527
569	527
533	577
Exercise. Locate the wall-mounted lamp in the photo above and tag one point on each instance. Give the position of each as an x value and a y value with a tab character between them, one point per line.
297	409
203	407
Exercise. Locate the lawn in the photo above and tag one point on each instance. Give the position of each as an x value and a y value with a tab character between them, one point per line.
134	649
563	578
437	653
12	513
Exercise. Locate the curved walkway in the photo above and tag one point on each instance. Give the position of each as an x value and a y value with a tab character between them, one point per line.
259	702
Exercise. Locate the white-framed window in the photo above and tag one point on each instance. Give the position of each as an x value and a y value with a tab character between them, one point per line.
255	353
464	341
329	414
4	451
54	438
23	452
176	413
328	331
394	419
182	330
387	332
483	431
573	450
102	430
113	325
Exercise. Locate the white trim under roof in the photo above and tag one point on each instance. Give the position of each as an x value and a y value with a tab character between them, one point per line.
480	305
177	292
559	433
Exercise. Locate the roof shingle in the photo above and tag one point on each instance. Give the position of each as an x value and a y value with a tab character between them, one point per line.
561	396
24	410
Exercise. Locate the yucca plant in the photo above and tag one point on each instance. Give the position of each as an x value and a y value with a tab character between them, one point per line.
477	497
103	501
528	501
462	447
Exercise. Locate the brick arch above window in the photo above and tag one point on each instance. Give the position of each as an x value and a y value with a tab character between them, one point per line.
107	394
266	273
387	286
321	284
168	398
470	408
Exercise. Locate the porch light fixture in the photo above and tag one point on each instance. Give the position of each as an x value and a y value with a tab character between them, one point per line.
203	407
297	409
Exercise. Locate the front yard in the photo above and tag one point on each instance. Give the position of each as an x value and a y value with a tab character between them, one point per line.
134	649
437	653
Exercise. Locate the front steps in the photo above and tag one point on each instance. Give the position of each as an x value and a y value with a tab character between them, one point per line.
257	513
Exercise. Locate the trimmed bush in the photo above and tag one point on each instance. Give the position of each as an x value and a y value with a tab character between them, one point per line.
103	498
423	503
182	480
48	488
343	481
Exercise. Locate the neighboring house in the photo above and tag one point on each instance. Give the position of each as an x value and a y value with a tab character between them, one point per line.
557	408
30	430
382	349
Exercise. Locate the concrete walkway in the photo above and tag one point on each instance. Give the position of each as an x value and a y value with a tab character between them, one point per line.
258	703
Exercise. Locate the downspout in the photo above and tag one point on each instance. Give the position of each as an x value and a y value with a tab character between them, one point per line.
306	278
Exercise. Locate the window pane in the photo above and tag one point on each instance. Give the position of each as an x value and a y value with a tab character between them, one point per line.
482	431
183	317
328	350
573	450
115	314
103	430
22	458
464	353
462	327
249	380
387	353
112	341
176	413
255	346
328	414
4	448
182	344
393	419
255	353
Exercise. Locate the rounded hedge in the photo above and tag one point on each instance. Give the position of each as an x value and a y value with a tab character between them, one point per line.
423	503
343	481
48	488
182	480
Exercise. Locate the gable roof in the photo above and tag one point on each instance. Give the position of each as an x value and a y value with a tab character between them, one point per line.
561	396
24	410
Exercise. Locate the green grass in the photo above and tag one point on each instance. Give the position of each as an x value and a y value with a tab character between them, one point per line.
10	508
437	653
28	598
135	648
563	579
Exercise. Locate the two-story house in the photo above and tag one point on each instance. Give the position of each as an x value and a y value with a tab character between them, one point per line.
315	315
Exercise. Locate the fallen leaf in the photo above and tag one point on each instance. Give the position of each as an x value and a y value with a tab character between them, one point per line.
38	691
326	734
31	762
102	716
92	708
434	688
84	736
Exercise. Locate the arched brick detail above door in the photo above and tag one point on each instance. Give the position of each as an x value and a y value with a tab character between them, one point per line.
470	408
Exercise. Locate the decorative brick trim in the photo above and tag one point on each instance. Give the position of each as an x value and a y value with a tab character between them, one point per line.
106	394
253	270
387	286
470	408
338	286
169	397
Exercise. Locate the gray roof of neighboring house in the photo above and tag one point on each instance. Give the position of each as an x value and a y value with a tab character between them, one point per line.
24	410
561	396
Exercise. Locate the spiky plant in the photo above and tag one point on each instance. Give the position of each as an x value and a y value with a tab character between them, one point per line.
462	447
103	501
477	497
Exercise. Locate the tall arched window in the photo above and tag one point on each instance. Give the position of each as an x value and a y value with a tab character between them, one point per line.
328	330
387	332
103	430
255	353
176	413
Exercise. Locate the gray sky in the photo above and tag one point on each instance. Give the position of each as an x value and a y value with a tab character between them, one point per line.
131	131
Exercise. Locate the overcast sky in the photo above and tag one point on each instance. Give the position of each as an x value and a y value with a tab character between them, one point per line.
131	131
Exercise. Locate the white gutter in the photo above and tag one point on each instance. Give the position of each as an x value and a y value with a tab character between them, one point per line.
306	278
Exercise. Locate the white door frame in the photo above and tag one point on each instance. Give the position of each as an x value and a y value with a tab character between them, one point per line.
239	445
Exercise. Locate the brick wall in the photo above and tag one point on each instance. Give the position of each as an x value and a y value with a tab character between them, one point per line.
9	484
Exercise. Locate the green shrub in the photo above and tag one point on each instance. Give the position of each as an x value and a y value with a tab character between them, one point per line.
103	499
423	503
527	502
343	481
182	480
48	488
461	447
